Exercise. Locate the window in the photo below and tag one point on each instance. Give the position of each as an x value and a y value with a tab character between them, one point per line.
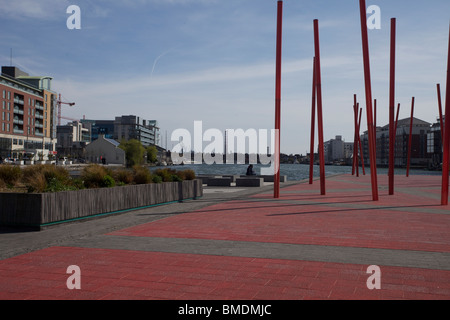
4	105
7	117
9	97
4	94
7	127
3	115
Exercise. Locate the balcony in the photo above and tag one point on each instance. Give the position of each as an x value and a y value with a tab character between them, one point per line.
18	111
38	125
38	116
39	106
19	131
18	101
18	121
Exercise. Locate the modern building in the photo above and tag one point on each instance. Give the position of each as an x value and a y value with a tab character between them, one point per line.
125	128
337	150
28	115
419	155
133	127
72	138
106	151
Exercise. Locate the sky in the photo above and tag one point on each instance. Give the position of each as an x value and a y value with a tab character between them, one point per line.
180	61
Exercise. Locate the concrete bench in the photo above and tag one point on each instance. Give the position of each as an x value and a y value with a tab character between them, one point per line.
249	182
205	178
219	182
267	178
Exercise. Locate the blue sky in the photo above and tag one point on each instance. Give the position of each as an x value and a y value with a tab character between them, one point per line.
179	61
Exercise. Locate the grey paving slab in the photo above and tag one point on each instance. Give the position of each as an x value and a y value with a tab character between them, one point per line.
338	254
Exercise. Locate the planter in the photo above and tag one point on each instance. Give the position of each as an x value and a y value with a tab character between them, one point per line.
41	210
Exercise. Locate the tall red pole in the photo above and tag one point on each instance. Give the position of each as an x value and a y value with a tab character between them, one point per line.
396	121
276	184
313	120
369	111
445	164
375	121
359	142
355	140
410	138
392	110
441	120
319	106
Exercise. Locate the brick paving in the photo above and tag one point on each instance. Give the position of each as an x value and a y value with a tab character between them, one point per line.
249	246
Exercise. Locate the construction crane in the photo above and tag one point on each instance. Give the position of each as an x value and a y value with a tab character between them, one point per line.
58	103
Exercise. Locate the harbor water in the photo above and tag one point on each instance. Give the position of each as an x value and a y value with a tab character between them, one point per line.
294	172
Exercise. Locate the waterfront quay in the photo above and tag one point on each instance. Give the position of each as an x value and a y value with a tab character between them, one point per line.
242	244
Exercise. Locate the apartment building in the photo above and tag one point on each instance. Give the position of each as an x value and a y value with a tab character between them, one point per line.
28	117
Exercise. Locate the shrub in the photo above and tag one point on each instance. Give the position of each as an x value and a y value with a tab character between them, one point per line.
187	174
123	176
108	181
142	175
47	178
166	174
156	179
93	176
10	174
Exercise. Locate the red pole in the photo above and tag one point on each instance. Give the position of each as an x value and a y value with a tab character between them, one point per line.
354	138
319	107
355	141
359	142
276	184
375	121
392	131
369	111
410	137
396	120
440	112
313	115
445	164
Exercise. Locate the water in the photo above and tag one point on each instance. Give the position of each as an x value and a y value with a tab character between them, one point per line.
293	172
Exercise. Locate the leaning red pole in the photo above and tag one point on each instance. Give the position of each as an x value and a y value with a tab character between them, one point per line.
276	184
410	138
313	120
354	138
438	86
445	164
319	107
369	111
359	142
392	110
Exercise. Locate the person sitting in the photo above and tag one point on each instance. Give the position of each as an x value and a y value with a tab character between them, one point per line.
250	171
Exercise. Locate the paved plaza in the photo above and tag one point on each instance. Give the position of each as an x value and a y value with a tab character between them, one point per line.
241	243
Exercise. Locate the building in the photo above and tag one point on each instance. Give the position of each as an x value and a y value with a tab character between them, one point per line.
434	145
72	138
99	128
28	115
337	150
106	151
419	155
125	128
133	127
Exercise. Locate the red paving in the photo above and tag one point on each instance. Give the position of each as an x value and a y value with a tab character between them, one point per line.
120	274
127	274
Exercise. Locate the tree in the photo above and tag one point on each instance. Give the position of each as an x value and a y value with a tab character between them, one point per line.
134	152
152	154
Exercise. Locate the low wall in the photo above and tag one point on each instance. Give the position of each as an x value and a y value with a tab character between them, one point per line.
43	209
